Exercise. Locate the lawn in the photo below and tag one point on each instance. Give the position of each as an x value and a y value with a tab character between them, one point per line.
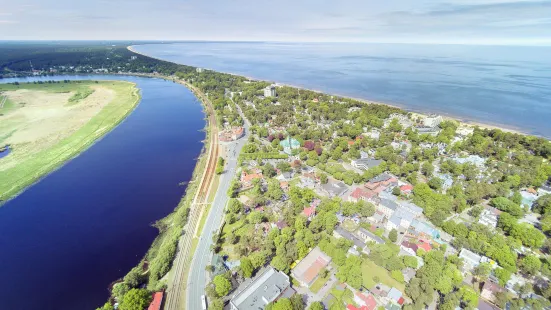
44	131
349	225
344	296
370	270
318	284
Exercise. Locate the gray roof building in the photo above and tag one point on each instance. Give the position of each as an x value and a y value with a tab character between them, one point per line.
367	235
366	163
348	236
267	286
390	204
335	188
381	177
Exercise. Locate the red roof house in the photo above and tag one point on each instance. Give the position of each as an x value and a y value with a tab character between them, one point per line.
156	302
406	188
367	301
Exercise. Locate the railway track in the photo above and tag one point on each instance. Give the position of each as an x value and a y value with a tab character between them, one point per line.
177	287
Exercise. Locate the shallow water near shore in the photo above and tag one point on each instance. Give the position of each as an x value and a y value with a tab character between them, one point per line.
508	86
64	239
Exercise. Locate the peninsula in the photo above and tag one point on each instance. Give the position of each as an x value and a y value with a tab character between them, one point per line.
44	124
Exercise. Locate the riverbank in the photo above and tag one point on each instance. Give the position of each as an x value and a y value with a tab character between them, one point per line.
47	125
464	120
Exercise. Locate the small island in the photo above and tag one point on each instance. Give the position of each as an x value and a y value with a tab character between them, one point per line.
44	124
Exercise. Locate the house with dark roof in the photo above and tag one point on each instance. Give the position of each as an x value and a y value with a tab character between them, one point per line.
489	290
334	188
266	287
308	269
368	236
339	232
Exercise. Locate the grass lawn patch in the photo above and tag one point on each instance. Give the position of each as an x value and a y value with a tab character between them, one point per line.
371	270
349	225
318	284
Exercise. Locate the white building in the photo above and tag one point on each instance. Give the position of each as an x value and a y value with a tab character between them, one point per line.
270	91
432	120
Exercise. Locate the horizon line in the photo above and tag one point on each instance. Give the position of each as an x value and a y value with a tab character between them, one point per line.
160	41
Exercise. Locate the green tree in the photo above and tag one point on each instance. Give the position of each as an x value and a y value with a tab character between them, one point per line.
427	169
530	264
120	289
109	306
246	267
397	275
222	285
393	235
135	299
482	271
316	305
282	304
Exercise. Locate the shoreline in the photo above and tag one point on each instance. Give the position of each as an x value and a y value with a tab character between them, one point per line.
462	120
14	193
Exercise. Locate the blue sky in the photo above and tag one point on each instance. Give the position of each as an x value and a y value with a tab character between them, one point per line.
405	21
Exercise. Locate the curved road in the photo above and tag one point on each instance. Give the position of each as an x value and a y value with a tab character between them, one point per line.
197	279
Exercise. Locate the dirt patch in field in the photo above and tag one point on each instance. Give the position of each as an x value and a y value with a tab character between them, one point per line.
42	119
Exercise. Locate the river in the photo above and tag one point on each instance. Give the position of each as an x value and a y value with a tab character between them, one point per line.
508	86
64	239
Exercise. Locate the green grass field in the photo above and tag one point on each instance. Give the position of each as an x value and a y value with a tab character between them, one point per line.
31	160
370	270
318	284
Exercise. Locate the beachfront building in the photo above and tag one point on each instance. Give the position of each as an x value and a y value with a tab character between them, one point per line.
432	121
266	287
231	134
270	91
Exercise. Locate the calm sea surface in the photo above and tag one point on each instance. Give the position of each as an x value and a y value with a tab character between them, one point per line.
499	85
63	240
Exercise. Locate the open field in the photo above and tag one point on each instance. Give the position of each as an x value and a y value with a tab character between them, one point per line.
47	124
370	270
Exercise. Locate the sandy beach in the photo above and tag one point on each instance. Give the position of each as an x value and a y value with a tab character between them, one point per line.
463	121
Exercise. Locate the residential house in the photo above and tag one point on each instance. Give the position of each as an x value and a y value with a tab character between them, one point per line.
411	207
280	224
334	188
156	302
310	211
248	177
490	289
366	163
266	287
387	207
361	193
340	232
484	305
470	259
218	263
382	182
489	217
284	185
366	301
368	236
406	189
409	247
401	217
395	295
409	273
471	159
308	269
431	131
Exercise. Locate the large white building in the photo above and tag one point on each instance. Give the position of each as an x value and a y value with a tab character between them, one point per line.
270	91
432	120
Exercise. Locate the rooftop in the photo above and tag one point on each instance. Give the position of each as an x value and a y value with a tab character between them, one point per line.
335	188
371	235
263	289
156	302
347	235
308	268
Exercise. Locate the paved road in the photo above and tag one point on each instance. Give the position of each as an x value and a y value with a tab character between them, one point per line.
197	279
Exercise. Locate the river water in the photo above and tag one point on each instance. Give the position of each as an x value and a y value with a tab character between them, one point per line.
508	86
64	239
